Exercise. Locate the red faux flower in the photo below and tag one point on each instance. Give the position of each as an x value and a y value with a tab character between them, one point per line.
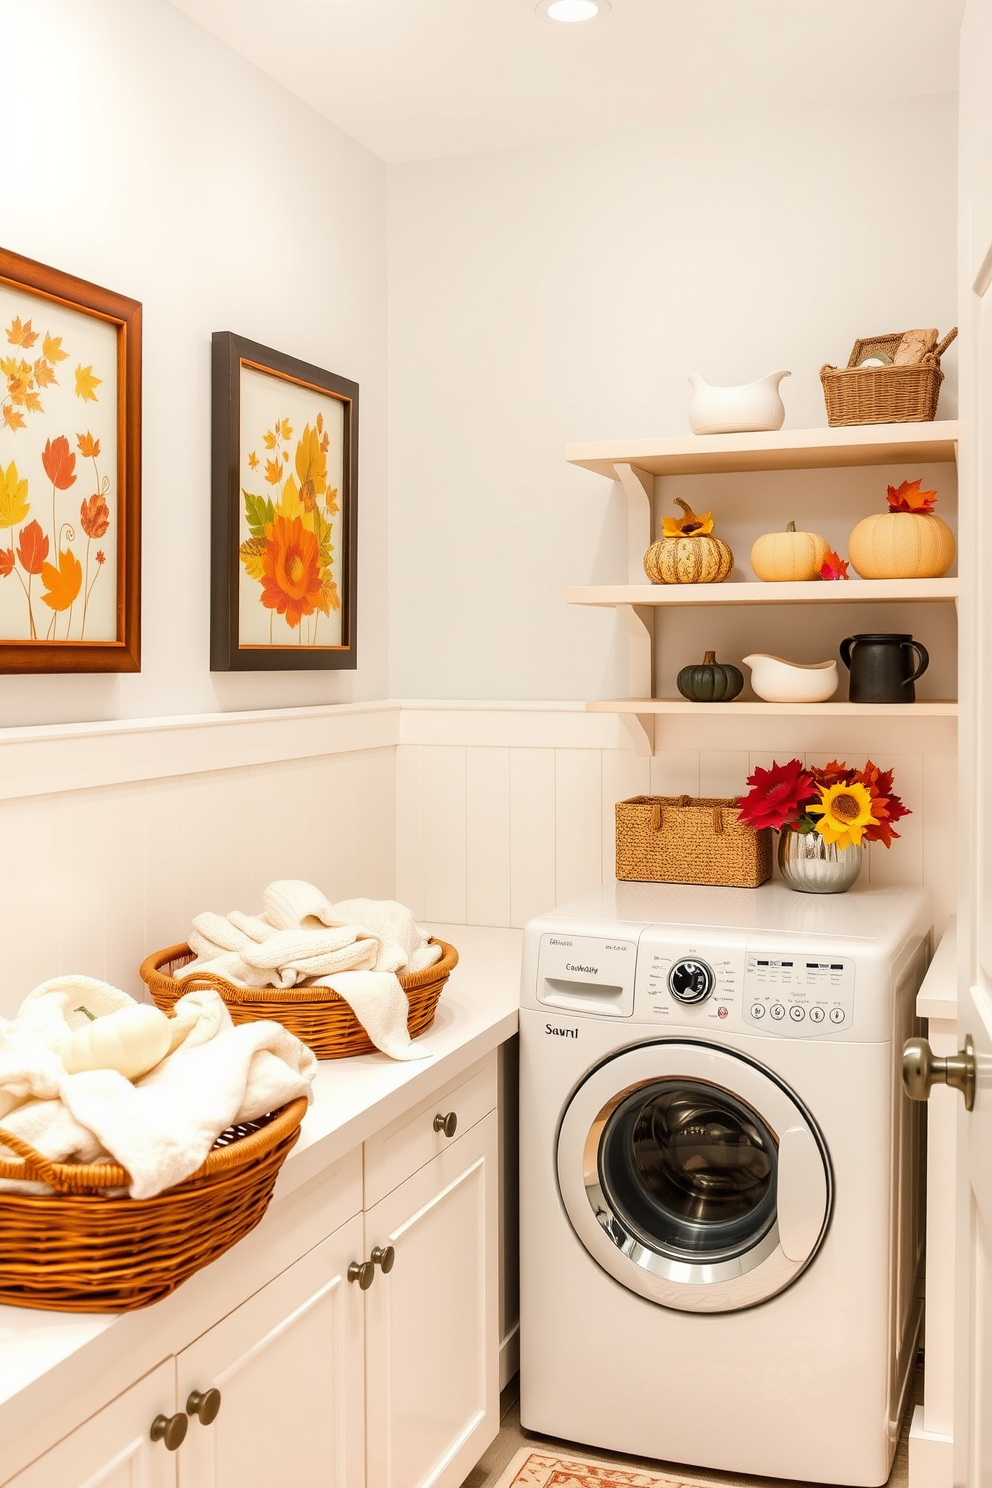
776	797
833	567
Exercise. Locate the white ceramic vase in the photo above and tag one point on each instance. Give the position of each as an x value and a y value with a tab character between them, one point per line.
736	410
780	681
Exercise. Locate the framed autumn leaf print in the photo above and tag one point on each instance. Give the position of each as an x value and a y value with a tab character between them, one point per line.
284	555
70	465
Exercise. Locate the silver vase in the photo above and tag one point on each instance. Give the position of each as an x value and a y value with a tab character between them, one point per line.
811	865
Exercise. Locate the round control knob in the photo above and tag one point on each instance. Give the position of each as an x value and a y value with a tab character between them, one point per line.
690	981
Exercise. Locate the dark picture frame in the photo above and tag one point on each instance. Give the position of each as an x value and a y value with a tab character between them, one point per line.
58	571
284	550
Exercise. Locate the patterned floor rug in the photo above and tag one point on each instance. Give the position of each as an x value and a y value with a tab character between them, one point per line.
531	1469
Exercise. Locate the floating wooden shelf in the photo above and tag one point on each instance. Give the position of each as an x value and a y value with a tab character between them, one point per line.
785	449
646	706
859	591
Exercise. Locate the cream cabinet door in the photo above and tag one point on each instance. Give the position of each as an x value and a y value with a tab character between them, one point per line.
288	1368
431	1323
113	1449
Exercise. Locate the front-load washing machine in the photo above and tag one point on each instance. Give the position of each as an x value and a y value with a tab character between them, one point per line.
720	1193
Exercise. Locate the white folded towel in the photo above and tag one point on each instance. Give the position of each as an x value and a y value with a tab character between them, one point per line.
161	1127
354	947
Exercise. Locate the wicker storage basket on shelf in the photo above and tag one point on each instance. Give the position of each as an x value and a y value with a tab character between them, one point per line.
884	395
318	1016
81	1249
690	840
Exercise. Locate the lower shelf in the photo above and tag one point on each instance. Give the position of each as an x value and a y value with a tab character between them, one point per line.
792	710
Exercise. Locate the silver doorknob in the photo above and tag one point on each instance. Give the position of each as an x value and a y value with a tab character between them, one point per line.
447	1124
922	1069
383	1256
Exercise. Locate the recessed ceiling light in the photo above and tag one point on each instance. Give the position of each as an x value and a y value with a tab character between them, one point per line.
572	10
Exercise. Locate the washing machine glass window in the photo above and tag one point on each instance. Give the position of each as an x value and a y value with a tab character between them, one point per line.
689	1169
693	1175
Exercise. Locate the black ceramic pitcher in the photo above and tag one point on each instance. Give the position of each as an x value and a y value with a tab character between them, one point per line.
883	667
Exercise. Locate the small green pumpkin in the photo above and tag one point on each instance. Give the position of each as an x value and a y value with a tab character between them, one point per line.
711	681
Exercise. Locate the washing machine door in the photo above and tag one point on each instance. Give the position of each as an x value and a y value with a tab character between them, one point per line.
693	1176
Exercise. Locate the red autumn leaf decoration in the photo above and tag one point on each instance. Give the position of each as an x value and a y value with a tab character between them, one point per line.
6	562
909	498
833	567
95	516
32	548
59	462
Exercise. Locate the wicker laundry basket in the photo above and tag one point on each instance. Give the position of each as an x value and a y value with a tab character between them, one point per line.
84	1249
884	395
318	1016
690	840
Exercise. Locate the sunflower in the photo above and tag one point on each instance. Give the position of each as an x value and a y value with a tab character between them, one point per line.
290	570
844	811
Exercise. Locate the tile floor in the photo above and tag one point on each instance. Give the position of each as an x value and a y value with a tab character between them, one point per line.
511	1438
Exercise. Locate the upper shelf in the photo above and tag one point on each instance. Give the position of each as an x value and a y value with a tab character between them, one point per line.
785	449
856	591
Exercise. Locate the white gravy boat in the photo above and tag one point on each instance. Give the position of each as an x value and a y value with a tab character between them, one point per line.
736	410
780	681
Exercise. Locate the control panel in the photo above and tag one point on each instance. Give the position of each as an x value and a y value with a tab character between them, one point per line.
798	994
687	984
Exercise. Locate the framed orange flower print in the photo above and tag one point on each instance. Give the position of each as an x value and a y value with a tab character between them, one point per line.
284	554
70	467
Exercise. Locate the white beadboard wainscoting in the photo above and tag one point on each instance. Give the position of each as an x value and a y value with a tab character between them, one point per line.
112	836
506	809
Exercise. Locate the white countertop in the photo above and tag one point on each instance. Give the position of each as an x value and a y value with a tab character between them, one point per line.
353	1098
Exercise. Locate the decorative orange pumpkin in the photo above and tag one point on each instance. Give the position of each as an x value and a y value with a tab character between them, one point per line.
688	553
907	542
789	556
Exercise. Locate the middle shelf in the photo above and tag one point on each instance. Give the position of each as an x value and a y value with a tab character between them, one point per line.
853	591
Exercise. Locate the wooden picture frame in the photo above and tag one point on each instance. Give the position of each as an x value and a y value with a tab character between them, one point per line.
284	553
70	473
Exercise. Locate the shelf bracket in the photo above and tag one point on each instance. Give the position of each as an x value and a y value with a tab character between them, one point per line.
638	487
639	622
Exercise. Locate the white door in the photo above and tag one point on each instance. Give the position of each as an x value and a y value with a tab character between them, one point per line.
973	1313
274	1391
114	1448
431	1323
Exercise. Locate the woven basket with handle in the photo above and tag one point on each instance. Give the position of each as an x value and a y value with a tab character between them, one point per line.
86	1248
690	840
318	1016
884	395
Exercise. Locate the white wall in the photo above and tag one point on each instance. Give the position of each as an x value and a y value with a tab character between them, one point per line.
144	155
563	293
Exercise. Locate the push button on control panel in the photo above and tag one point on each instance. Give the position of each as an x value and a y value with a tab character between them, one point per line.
802	995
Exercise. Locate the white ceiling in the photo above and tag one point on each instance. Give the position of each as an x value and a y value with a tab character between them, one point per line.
416	79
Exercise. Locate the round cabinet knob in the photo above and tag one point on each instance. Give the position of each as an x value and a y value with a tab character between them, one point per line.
363	1272
691	981
447	1124
922	1070
384	1257
171	1430
205	1404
